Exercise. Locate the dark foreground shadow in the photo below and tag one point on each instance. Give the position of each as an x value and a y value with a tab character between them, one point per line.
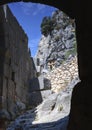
22	124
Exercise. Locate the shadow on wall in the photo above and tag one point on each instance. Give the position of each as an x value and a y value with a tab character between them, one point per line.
39	87
56	125
35	96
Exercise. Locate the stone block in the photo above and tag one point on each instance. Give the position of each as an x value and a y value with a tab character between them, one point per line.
45	94
47	84
35	98
34	85
6	70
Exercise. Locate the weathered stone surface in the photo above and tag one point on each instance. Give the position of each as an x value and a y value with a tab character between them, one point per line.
39	83
35	98
4	114
52	53
35	85
16	64
62	76
59	45
47	83
46	93
51	114
58	125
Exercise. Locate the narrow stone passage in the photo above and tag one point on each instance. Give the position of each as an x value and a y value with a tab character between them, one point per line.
24	122
44	83
51	114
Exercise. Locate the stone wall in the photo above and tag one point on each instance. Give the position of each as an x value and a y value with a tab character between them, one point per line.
16	64
62	76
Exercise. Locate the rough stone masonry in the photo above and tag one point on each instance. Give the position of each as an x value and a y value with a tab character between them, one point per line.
16	66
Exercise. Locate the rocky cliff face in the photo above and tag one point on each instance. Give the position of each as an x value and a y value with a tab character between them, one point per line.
56	59
59	45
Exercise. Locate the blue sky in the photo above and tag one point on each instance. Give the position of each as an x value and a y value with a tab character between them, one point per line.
29	16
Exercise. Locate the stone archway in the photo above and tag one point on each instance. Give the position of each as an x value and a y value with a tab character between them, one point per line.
81	113
64	5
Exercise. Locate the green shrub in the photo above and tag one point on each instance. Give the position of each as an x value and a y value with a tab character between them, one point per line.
47	26
71	51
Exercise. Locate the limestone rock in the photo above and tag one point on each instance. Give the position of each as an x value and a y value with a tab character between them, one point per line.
62	76
51	114
59	45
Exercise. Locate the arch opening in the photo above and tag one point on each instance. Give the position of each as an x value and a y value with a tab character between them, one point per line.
80	100
51	62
